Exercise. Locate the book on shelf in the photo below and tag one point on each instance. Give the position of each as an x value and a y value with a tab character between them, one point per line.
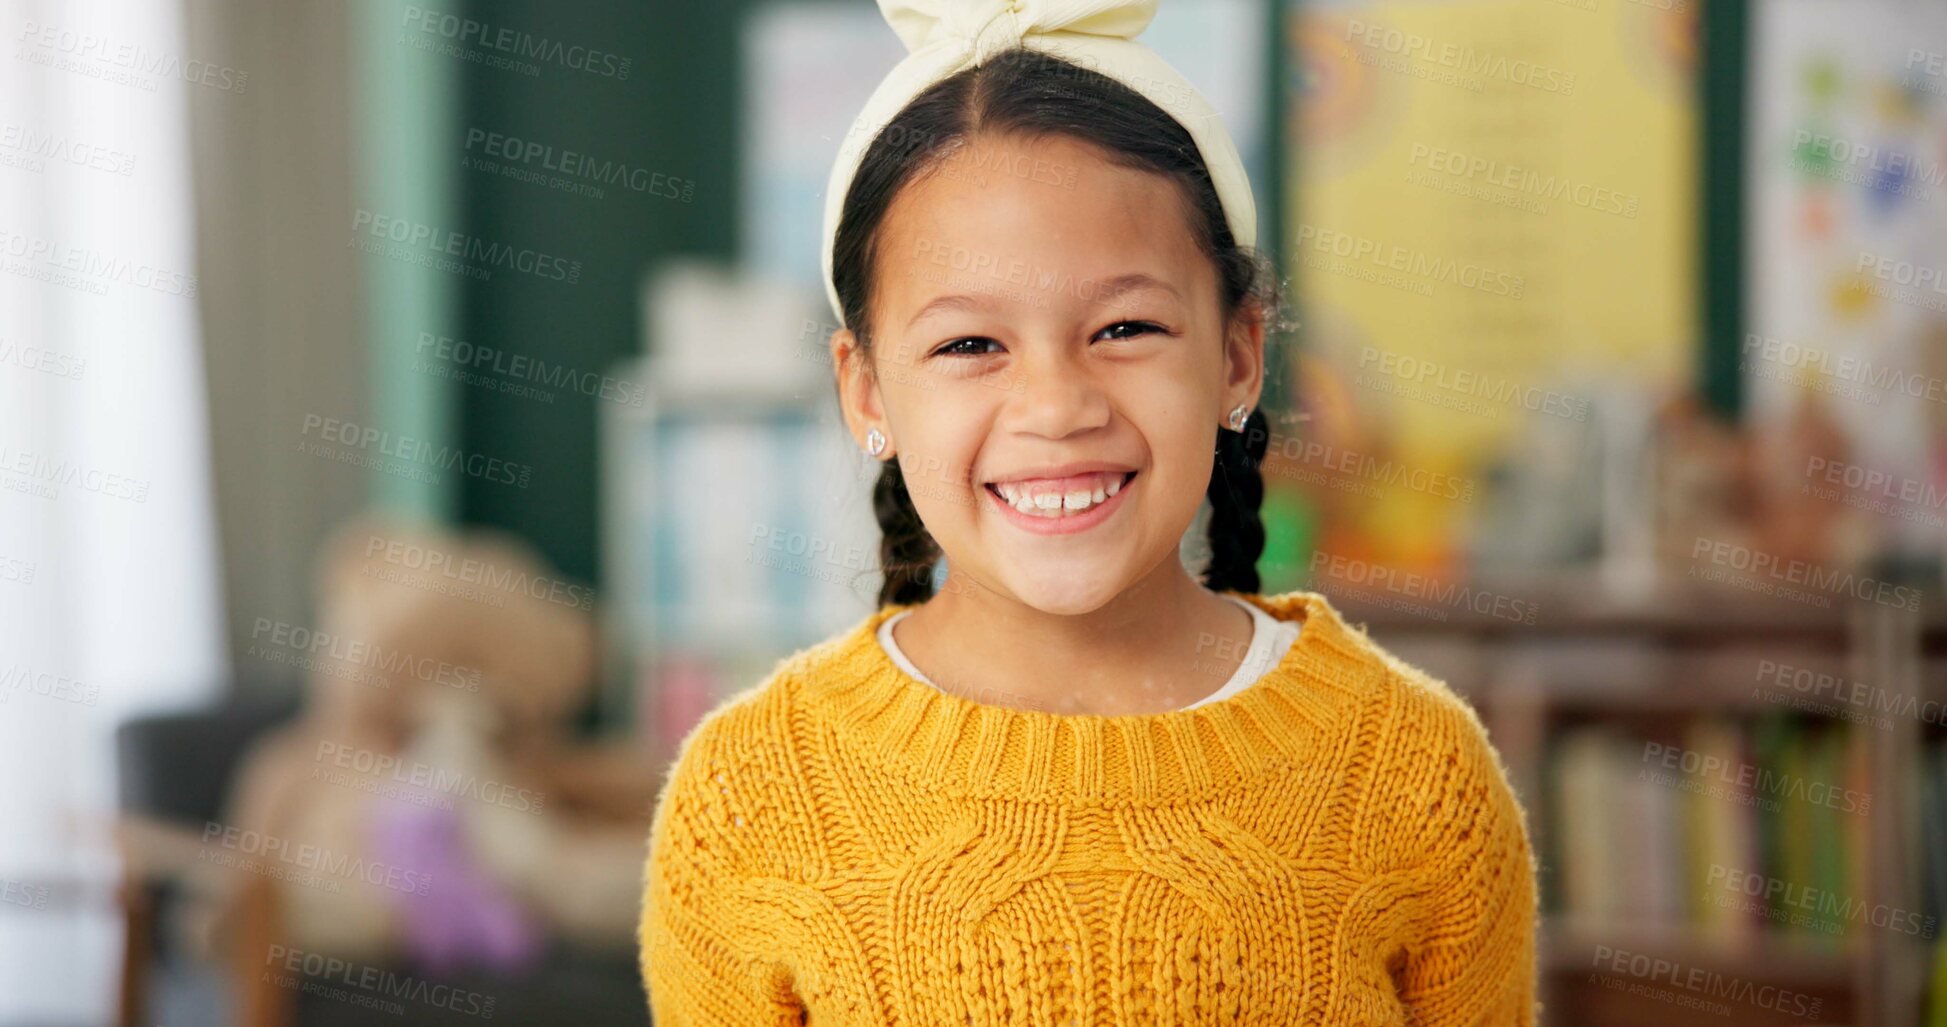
1723	830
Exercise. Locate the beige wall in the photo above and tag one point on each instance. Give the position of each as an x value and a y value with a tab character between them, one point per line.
281	302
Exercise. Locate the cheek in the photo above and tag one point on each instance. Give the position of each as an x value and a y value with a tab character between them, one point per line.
1183	452
935	458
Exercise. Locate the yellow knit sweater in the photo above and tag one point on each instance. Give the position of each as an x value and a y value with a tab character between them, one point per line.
1336	844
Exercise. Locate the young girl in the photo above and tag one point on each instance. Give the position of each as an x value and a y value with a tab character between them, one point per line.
1074	785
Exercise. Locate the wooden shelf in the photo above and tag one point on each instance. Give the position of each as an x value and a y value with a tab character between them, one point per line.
1579	602
1757	956
1688	649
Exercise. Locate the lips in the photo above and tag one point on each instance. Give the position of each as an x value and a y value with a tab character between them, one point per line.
1063	513
1063	496
1089	481
1057	472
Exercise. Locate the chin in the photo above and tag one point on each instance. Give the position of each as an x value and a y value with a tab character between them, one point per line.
1053	592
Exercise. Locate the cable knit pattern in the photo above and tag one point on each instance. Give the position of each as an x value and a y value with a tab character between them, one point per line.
1337	844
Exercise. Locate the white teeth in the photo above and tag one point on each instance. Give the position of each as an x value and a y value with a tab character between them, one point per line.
1055	504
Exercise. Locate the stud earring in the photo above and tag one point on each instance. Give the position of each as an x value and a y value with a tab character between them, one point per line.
1238	415
875	442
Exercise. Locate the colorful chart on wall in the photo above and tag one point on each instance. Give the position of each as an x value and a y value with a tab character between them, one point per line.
1490	224
1848	240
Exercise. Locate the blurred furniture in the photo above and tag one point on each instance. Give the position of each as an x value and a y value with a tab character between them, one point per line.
1647	669
177	769
738	528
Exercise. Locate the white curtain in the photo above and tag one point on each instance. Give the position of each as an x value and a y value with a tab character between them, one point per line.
109	599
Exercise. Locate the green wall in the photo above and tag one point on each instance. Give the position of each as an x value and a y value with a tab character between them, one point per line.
402	172
675	113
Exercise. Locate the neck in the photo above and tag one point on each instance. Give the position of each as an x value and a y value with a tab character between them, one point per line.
1163	643
947	744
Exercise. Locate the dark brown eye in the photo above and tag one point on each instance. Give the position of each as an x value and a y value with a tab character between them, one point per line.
949	350
1133	329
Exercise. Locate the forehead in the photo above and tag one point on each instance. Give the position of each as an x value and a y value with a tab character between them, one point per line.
1027	224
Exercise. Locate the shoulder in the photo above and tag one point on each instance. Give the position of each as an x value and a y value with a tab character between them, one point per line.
735	771
1430	717
1438	786
739	732
759	718
1400	705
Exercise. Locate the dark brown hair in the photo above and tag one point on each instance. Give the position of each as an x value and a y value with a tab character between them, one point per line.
1030	94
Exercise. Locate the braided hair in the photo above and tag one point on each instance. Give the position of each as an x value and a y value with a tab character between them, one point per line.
1035	94
907	551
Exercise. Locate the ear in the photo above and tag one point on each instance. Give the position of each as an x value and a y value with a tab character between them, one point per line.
1244	358
859	399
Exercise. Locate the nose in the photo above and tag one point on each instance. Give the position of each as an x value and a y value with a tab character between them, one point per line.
1057	394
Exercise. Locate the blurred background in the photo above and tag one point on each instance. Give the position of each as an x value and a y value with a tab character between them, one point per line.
413	417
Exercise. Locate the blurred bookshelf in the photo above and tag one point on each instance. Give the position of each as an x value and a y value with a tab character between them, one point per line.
1736	800
738	536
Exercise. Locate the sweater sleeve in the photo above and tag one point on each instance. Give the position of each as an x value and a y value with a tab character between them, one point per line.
1473	961
702	961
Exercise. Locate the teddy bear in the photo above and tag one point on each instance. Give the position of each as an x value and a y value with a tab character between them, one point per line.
431	801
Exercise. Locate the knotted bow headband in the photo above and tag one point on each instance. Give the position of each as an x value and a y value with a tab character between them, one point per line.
945	36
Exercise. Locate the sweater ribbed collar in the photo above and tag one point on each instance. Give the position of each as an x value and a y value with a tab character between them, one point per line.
954	745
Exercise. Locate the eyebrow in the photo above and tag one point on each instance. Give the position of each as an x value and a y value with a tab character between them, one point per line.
1104	291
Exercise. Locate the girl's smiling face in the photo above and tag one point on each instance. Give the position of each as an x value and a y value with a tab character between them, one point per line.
1038	310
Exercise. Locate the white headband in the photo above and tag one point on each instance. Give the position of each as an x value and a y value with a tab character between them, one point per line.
945	36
